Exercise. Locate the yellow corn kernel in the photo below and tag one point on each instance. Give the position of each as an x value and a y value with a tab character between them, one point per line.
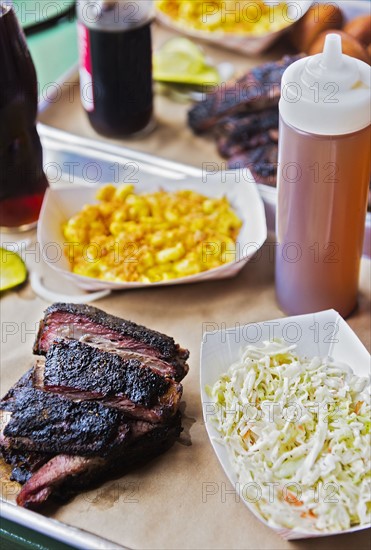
106	193
170	254
157	239
186	267
197	224
119	216
116	228
208	206
171	216
123	191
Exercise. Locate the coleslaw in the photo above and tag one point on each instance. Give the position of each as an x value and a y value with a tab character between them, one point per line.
297	431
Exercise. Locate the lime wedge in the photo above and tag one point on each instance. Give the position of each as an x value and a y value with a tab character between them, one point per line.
13	271
177	64
181	61
183	45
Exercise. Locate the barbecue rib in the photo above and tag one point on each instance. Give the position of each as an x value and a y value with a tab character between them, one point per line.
73	321
258	89
261	161
236	134
103	399
79	371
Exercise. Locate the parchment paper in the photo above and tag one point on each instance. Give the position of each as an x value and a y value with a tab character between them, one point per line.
182	499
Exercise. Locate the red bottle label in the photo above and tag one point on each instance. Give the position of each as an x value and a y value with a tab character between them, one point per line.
86	78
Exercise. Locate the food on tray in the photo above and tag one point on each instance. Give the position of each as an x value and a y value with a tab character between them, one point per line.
243	117
13	270
104	399
109	333
180	60
299	429
360	29
229	16
258	89
309	33
319	18
350	45
150	237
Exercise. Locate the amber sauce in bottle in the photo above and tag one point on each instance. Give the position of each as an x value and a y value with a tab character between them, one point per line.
320	259
22	180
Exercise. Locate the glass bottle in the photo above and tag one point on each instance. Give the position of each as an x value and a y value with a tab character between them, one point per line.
22	180
116	65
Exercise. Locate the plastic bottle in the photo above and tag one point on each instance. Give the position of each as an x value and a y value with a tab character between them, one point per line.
116	64
323	180
22	180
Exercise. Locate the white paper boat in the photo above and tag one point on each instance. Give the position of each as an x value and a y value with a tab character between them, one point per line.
317	334
61	202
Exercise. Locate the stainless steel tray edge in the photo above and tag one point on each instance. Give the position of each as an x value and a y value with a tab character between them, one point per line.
56	529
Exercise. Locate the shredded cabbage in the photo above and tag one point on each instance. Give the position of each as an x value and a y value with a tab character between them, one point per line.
297	431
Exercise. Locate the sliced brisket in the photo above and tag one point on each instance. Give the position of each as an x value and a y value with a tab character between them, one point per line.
45	422
73	321
64	475
79	371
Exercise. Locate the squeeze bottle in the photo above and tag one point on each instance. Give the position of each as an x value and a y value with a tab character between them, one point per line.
323	180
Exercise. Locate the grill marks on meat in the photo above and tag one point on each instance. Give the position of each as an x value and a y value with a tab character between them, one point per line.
90	408
246	132
261	161
79	371
72	365
49	423
243	118
72	321
258	89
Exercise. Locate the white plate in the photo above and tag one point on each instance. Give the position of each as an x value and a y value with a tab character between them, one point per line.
318	334
62	202
247	43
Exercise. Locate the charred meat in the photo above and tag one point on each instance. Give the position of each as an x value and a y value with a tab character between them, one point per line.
243	118
73	321
257	90
79	371
103	398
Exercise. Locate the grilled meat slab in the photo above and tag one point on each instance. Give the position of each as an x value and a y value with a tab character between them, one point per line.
45	422
73	321
64	475
237	134
262	162
258	89
79	371
103	399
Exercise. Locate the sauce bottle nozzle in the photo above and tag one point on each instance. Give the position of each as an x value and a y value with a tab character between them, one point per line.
332	52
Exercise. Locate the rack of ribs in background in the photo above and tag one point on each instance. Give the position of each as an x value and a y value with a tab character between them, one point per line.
102	397
242	116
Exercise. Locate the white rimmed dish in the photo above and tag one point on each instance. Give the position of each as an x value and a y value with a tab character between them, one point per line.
65	200
247	43
317	334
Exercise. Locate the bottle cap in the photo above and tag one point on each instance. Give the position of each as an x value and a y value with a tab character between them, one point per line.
328	93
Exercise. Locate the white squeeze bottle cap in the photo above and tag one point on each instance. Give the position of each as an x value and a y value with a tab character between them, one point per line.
328	93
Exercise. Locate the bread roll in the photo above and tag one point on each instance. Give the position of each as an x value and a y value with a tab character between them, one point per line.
350	45
360	29
318	18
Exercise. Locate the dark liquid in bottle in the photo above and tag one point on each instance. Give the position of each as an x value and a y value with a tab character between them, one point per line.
22	180
122	80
